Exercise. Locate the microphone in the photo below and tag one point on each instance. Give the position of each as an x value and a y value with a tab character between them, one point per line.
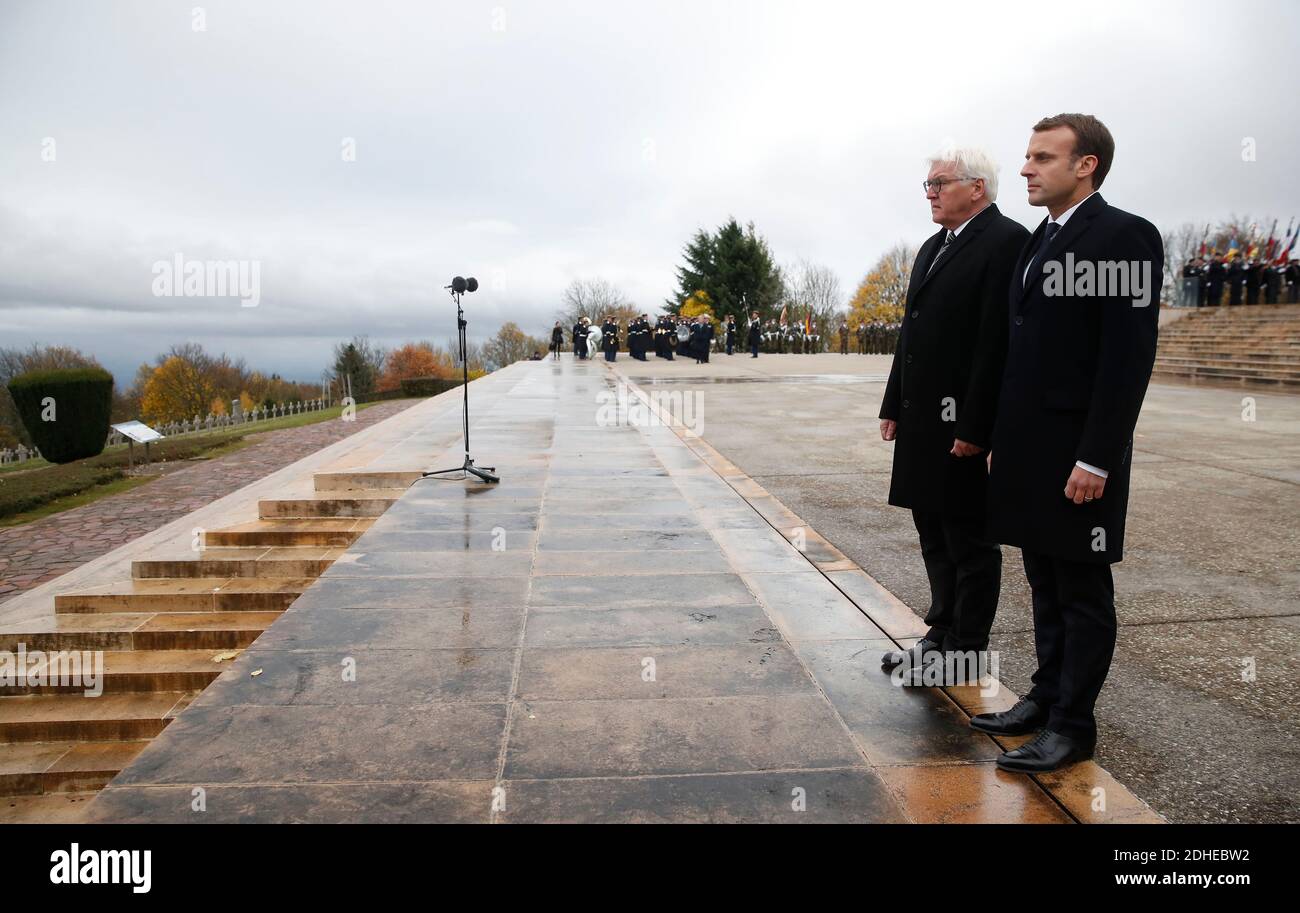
460	286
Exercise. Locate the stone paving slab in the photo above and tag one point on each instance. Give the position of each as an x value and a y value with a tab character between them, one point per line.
746	687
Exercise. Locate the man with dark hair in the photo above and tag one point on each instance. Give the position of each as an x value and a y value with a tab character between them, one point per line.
1079	359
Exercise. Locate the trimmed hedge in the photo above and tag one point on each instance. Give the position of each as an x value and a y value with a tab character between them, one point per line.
82	401
427	386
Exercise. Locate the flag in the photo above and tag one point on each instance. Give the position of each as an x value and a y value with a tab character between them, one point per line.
782	321
807	324
1286	252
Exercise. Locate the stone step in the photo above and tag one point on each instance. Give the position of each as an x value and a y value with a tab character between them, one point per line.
138	631
51	808
198	594
128	671
331	504
1230	366
107	718
39	768
1213	348
326	531
258	561
1225	380
361	481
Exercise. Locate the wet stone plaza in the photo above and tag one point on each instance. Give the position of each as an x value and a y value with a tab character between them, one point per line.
627	628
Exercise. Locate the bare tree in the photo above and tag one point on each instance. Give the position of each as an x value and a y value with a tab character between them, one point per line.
813	289
1181	245
593	299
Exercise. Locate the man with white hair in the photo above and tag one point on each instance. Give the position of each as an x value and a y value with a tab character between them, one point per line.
940	402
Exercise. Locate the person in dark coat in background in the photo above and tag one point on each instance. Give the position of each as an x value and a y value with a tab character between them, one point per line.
1254	275
731	334
754	335
939	406
609	338
666	337
580	338
1217	274
557	340
1273	283
1234	275
701	339
1079	358
638	334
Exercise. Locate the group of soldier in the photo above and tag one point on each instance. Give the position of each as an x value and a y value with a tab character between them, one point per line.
668	337
1246	281
672	336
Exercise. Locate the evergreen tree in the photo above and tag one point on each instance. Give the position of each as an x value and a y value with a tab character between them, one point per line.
734	267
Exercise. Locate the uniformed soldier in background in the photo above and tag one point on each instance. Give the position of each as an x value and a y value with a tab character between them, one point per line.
754	334
684	337
1293	282
609	338
1217	273
731	333
1234	276
1254	278
1195	269
1273	283
665	336
844	338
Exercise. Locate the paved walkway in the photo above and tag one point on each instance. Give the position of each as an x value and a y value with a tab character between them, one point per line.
40	551
1207	594
620	631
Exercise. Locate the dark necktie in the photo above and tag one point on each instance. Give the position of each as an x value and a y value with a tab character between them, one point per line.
1048	234
946	241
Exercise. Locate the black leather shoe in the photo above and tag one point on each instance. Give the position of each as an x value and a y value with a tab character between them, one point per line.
938	669
1022	719
898	657
1046	751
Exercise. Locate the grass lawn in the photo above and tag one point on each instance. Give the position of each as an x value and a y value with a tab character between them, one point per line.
274	424
36	489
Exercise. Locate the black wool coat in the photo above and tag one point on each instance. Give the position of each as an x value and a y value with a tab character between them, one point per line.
1077	371
943	384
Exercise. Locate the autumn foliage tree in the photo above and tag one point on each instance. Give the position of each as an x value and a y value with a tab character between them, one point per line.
415	359
511	344
177	389
883	291
696	304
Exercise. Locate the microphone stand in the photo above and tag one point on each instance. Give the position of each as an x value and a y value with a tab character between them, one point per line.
484	473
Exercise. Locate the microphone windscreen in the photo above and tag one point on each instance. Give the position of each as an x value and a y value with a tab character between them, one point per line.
458	285
472	284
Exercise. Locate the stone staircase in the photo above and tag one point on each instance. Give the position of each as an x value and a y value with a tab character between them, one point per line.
1247	346
161	632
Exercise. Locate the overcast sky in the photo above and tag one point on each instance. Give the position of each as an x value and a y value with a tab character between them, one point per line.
531	143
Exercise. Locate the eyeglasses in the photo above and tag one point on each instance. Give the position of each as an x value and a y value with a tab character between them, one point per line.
937	186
